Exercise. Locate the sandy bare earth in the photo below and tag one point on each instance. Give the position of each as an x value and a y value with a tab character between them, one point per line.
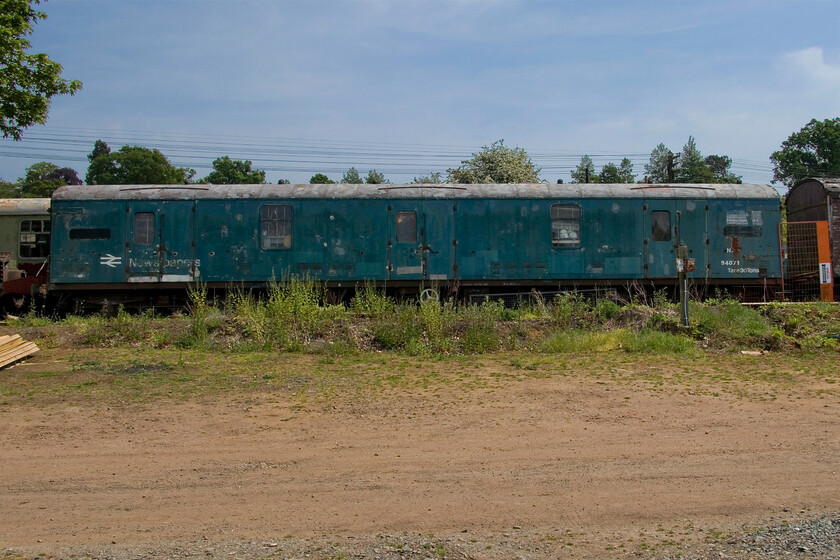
553	467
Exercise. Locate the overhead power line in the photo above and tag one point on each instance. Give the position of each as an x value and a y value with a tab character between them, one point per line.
307	155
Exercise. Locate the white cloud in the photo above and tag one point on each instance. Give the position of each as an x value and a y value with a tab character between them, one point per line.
810	64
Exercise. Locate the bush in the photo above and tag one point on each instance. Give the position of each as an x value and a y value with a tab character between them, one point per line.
570	310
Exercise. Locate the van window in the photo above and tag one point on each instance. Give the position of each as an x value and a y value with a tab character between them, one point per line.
144	228
34	239
406	227
660	225
565	225
276	226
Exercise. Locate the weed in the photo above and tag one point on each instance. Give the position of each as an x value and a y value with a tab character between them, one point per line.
372	301
570	310
649	341
577	341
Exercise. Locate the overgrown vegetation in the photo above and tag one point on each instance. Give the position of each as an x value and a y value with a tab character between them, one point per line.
294	315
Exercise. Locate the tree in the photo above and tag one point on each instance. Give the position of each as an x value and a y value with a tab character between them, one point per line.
814	151
609	174
351	177
320	179
435	178
625	172
8	190
135	165
228	171
719	167
100	148
658	166
585	171
496	164
691	167
40	181
37	182
375	178
283	182
27	81
43	178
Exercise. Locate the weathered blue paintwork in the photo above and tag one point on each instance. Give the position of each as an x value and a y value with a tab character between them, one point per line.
472	234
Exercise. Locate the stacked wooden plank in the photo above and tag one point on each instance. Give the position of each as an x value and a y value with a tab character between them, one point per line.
14	348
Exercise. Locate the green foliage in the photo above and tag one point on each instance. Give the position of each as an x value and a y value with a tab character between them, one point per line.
585	171
42	179
730	323
435	178
370	300
625	172
351	177
228	171
437	319
570	310
811	327
480	334
657	168
496	164
609	174
648	341
200	312
622	173
573	341
100	148
400	330
320	179
691	167
719	167
814	151
295	313
606	309
8	190
133	165
127	329
375	178
27	81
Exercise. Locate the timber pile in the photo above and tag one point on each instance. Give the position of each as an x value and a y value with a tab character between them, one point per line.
14	348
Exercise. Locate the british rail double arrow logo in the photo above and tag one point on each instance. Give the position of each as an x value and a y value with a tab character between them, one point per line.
110	260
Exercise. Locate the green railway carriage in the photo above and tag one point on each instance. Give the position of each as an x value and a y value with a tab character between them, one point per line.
142	239
24	249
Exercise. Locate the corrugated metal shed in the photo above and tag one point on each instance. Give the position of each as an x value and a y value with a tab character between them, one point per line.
413	191
818	200
24	206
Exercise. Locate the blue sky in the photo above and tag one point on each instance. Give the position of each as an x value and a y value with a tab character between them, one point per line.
408	88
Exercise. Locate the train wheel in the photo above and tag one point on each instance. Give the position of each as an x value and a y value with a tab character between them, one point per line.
428	294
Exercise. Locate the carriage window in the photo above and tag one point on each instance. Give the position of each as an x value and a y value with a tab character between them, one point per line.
565	225
144	228
276	226
660	225
90	233
406	227
34	239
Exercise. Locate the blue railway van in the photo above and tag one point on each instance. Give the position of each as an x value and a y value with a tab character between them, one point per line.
145	241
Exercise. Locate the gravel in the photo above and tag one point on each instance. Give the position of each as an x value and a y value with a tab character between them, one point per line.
806	539
813	538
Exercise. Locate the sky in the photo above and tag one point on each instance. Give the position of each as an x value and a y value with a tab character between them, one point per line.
413	87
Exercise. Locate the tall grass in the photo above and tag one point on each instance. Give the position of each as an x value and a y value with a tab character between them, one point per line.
294	315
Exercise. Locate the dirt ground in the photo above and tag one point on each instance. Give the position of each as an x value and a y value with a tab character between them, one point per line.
559	466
